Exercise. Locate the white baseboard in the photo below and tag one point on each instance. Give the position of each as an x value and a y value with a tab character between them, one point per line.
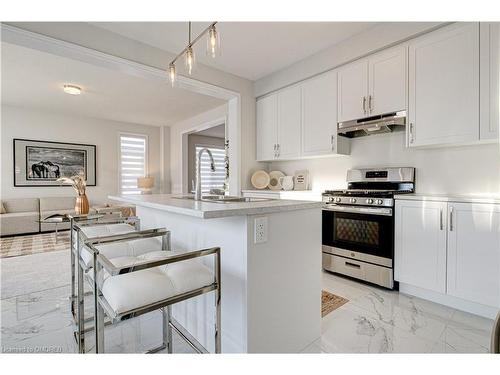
447	300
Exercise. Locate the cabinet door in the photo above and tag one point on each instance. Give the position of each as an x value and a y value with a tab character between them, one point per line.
289	122
420	244
353	91
267	127
474	252
443	83
489	47
387	81
319	106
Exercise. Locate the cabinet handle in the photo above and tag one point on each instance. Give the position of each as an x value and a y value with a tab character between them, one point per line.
332	142
274	148
364	104
441	226
451	218
412	139
370	103
278	149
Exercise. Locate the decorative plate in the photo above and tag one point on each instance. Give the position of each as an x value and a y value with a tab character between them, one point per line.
260	179
274	183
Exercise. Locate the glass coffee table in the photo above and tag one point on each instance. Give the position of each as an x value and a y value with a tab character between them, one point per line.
64	218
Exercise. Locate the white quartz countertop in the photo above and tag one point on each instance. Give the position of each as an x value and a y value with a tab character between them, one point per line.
207	210
491	199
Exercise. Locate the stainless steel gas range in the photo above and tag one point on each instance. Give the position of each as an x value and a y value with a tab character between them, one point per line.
358	224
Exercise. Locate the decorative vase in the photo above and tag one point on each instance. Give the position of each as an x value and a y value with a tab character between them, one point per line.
82	205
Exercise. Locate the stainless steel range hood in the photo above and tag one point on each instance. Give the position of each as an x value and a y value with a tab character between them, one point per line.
373	125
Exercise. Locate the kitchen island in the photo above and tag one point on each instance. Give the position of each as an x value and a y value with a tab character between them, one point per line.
271	281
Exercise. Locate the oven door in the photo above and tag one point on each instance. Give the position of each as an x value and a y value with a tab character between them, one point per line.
366	230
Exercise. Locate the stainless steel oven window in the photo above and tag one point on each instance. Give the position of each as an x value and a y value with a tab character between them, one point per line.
357	231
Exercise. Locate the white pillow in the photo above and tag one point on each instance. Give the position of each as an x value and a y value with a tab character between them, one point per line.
2	208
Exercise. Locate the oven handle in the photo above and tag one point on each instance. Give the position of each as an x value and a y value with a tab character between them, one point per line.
359	210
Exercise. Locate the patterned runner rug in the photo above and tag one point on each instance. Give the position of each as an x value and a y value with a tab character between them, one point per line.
330	302
33	243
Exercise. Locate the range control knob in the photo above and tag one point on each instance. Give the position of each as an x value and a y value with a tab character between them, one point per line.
369	201
353	200
338	200
330	199
380	201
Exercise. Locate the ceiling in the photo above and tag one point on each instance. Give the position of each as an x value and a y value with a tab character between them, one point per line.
250	50
31	78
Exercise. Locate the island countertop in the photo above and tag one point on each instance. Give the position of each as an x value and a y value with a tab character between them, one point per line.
208	210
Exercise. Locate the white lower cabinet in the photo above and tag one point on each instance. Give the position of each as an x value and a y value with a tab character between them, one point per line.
420	244
474	252
450	248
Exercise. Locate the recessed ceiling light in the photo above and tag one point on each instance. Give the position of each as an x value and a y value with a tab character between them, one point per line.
72	89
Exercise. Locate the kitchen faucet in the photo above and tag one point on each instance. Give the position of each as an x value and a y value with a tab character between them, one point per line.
197	192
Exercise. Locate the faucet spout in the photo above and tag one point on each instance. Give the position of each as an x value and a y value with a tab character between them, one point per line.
197	192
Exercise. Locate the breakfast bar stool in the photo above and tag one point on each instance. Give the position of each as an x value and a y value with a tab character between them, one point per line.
112	226
154	280
81	231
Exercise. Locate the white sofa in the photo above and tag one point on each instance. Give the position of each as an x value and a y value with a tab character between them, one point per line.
21	216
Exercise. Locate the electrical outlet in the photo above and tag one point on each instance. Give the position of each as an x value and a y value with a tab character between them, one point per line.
260	230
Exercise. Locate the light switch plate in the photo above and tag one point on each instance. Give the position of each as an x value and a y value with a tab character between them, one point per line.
260	230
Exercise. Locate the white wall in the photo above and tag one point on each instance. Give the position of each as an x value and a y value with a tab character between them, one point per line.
362	44
26	123
451	170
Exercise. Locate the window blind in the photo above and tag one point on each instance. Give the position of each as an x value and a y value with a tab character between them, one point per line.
133	162
209	179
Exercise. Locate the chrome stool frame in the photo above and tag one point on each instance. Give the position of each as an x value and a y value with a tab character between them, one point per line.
77	287
102	308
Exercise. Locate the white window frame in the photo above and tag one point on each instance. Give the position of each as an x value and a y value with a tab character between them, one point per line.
146	155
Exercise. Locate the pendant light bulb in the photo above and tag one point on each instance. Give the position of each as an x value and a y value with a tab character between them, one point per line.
172	74
189	59
213	41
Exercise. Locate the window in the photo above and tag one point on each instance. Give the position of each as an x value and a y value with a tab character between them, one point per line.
133	161
211	180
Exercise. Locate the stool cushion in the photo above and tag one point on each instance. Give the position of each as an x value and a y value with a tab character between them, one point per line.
130	248
140	288
136	289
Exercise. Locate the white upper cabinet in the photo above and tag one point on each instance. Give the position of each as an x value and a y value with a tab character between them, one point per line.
289	123
373	86
353	91
387	77
489	46
319	129
300	121
443	103
474	252
267	127
420	244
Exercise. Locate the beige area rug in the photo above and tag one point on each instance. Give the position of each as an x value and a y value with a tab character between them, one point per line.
330	302
33	244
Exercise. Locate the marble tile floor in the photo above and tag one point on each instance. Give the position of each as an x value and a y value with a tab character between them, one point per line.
35	317
376	320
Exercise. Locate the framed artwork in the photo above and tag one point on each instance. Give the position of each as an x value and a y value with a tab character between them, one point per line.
41	163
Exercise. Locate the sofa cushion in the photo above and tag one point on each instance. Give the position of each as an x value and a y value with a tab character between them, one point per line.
19	223
21	205
57	203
